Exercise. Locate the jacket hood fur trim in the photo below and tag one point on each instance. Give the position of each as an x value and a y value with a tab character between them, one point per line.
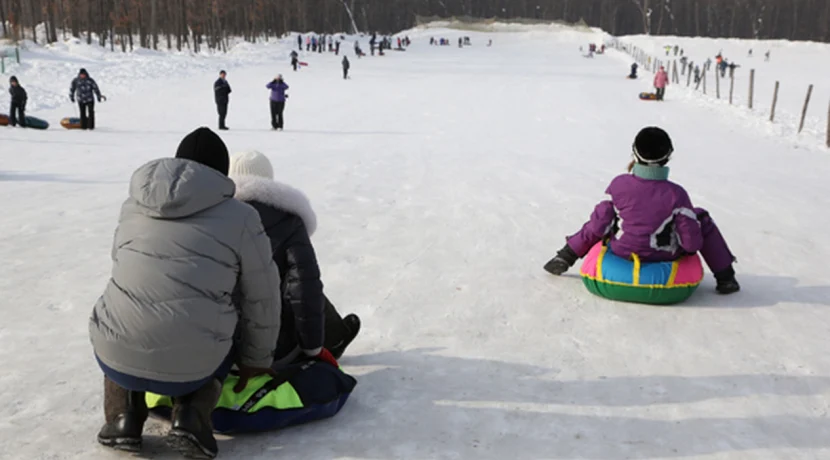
278	195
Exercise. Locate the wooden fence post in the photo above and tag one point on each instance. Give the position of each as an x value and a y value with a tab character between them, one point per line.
751	86
731	87
774	102
804	110
717	84
704	82
828	126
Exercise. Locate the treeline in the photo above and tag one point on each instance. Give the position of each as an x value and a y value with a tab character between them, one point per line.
197	23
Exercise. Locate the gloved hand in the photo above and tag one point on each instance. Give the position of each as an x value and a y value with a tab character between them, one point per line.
327	357
102	97
246	373
72	98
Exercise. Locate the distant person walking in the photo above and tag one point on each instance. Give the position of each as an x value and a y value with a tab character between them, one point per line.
18	106
86	90
278	88
661	80
295	60
300	42
221	92
346	66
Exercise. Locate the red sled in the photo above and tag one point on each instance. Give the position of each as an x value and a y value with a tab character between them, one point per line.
648	96
304	64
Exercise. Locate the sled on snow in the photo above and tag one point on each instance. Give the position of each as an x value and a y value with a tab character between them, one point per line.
303	64
31	122
71	123
648	96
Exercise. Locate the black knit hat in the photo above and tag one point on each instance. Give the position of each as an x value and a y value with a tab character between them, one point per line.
652	146
205	147
13	79
83	72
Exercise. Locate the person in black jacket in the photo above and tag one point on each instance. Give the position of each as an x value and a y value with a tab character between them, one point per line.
310	324
19	98
346	67
87	90
221	92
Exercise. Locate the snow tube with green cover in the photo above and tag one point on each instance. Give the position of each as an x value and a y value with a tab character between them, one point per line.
300	393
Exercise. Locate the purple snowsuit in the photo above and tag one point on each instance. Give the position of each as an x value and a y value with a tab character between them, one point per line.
277	91
654	219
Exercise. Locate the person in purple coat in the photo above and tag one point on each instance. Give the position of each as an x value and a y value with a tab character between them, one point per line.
277	87
648	215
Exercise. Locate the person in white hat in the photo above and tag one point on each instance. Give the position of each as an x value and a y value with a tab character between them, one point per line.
311	326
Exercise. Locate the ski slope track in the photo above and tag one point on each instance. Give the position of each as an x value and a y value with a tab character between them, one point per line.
443	180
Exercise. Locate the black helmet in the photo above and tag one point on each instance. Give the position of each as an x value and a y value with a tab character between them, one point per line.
652	146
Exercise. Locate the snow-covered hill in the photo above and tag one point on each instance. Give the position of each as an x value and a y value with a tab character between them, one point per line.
443	179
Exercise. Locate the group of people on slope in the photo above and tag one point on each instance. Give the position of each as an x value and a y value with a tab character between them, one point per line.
213	268
83	88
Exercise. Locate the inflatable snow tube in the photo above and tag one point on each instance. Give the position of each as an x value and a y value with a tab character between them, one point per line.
657	283
648	96
300	394
4	119
36	123
71	123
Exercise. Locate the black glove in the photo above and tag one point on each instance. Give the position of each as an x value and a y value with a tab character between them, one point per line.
72	98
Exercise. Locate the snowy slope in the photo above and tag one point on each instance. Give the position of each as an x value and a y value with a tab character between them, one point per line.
443	180
795	65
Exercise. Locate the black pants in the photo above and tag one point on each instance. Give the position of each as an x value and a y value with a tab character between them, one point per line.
345	73
294	64
277	118
17	115
87	115
222	109
660	93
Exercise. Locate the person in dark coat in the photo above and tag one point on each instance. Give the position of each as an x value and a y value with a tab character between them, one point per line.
300	42
221	92
87	90
295	60
346	67
19	98
311	326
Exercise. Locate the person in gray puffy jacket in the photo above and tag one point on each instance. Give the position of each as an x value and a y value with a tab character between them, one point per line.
166	322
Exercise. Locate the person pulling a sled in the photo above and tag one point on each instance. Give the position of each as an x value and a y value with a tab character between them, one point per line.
86	90
652	217
167	322
311	326
661	80
295	60
17	114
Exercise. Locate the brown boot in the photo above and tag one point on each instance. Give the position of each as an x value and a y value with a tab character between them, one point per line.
191	433
125	413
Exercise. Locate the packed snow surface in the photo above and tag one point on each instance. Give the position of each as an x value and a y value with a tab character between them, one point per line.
443	179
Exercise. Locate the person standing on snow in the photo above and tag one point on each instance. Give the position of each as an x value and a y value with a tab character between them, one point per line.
221	93
18	106
661	80
167	322
346	66
277	87
300	42
337	48
295	60
311	327
86	90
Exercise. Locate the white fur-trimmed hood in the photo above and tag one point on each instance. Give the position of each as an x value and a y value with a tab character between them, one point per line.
278	195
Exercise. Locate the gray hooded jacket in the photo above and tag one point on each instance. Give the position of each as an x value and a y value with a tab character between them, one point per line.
182	248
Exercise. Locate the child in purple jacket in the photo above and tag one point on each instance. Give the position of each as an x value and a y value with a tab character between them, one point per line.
652	217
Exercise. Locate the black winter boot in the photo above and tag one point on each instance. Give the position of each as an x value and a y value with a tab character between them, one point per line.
565	259
125	413
191	433
727	284
339	332
352	324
